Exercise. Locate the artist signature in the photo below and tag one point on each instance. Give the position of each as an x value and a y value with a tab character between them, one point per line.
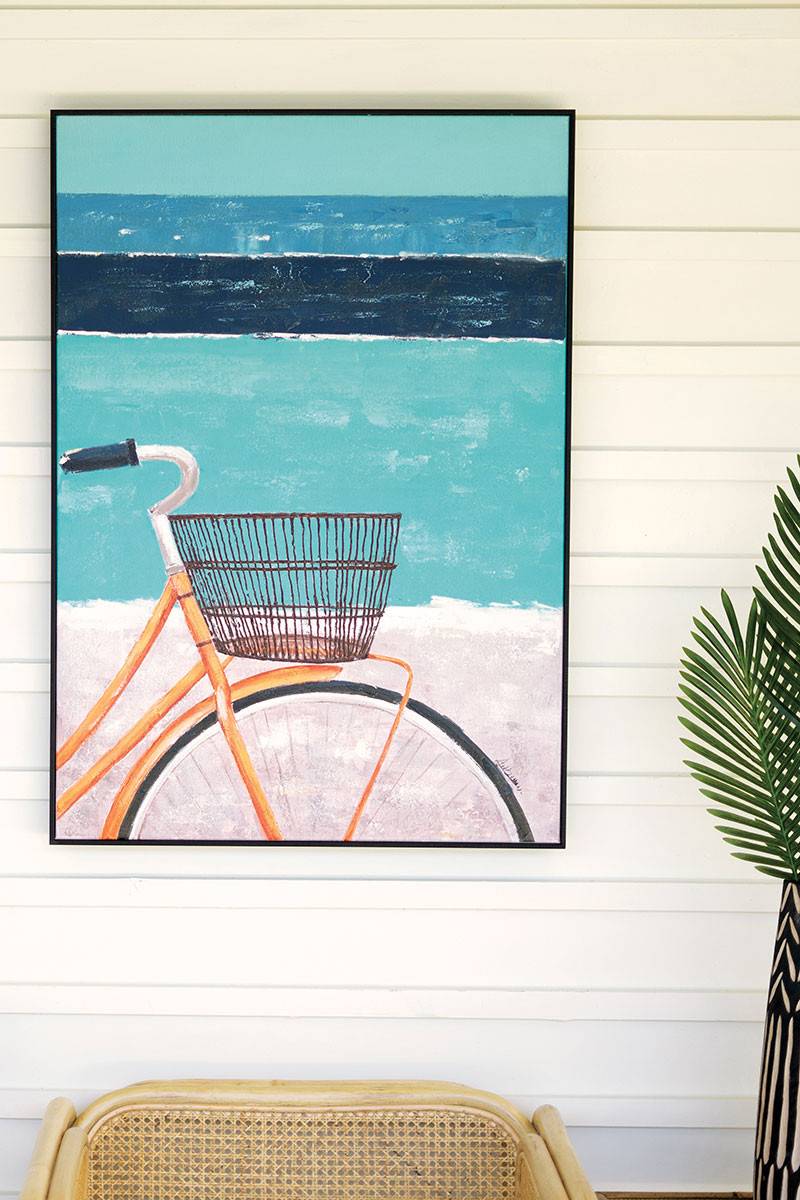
508	774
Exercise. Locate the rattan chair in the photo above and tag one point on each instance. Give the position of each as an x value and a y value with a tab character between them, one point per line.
211	1140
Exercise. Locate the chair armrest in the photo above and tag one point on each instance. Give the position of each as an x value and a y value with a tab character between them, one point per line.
70	1175
58	1116
547	1122
537	1177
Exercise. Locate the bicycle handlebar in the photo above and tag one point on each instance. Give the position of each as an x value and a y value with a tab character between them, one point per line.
128	454
100	458
186	464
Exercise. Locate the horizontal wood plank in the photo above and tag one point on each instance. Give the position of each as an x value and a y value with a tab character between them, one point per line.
636	570
391	23
417	950
487	5
442	895
604	843
383	1003
25	567
641	62
688	1161
98	1053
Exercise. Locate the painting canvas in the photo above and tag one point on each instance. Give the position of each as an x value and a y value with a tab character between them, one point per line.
311	443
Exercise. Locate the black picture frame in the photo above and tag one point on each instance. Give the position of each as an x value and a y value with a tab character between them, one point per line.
570	114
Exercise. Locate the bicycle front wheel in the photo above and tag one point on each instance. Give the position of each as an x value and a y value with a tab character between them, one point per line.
313	746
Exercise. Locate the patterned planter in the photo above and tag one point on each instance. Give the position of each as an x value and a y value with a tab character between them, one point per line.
777	1164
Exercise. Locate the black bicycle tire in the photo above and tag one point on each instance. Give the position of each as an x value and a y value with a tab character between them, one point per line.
342	687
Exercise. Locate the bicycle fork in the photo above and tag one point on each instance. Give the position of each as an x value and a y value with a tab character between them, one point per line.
376	770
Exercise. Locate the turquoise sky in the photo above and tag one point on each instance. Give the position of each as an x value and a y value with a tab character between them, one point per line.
313	155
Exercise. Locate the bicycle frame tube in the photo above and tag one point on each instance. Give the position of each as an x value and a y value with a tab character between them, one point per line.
376	770
222	698
136	734
159	513
139	651
178	589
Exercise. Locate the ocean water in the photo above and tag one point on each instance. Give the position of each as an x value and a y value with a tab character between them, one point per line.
465	438
398	266
157	224
394	296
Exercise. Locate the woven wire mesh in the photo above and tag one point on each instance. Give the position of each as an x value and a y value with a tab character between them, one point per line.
157	1153
296	587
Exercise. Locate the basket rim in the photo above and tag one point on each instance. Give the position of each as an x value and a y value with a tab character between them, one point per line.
275	515
290	564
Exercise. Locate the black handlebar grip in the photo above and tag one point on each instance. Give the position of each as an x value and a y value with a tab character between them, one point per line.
101	458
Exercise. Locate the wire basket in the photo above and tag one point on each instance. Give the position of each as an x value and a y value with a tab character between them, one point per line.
296	587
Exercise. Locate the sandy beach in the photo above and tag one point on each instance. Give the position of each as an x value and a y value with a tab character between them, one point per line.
494	670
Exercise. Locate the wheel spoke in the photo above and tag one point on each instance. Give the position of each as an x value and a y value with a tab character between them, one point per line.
313	747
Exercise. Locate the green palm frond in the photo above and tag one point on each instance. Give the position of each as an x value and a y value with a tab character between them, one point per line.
740	691
781	574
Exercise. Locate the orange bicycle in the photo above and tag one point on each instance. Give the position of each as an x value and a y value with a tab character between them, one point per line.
293	753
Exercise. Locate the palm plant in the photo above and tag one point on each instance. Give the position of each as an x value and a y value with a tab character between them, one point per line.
740	692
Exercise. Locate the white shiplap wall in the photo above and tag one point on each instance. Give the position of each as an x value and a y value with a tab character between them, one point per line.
625	977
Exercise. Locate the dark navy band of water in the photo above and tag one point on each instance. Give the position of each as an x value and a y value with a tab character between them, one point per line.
108	224
427	296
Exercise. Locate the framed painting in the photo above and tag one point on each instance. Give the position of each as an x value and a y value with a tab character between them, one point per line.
311	382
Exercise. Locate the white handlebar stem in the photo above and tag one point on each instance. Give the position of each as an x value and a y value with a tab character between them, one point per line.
159	512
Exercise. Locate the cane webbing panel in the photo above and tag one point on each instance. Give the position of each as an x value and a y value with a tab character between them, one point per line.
150	1153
